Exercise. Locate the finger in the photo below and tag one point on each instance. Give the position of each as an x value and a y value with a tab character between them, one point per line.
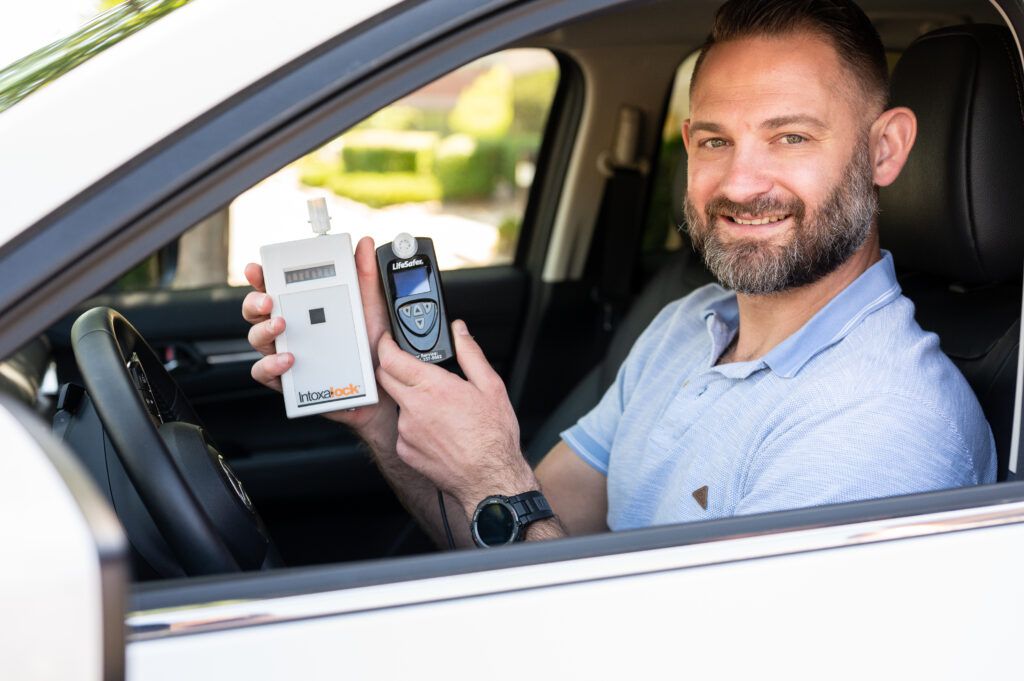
374	306
471	358
262	335
269	369
398	391
401	365
257	307
254	273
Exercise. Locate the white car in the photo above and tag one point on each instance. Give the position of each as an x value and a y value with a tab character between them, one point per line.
132	185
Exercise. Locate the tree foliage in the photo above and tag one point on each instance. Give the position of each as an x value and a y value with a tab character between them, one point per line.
23	77
484	109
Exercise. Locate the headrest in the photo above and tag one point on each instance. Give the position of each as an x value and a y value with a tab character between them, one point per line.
955	210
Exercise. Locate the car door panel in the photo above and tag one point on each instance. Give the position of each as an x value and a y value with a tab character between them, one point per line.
687	606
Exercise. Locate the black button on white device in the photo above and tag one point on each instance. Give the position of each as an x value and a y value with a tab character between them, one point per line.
316	316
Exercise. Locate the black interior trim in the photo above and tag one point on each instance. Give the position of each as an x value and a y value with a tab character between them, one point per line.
553	158
541	211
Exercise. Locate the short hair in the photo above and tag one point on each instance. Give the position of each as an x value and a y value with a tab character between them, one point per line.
841	22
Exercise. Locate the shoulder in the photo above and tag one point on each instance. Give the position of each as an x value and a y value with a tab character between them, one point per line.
889	388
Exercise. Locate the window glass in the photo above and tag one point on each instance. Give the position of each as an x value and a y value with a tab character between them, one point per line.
453	161
660	231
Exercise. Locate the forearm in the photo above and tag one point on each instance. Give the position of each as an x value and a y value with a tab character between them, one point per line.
419	496
415	491
516	480
542	530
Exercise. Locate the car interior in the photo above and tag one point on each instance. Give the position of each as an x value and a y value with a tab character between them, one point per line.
600	252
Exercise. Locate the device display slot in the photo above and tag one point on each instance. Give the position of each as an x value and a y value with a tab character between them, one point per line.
311	273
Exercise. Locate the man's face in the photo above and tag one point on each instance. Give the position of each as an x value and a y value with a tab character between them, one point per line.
780	189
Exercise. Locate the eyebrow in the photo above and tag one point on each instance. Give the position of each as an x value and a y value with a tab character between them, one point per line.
796	119
770	124
705	126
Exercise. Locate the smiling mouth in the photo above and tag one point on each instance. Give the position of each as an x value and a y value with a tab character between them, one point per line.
755	221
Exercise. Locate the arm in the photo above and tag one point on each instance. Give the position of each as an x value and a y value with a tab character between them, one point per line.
577	493
470	447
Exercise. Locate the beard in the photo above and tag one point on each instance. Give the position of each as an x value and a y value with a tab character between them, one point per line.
815	247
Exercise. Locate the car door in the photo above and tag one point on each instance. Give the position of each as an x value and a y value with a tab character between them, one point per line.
920	596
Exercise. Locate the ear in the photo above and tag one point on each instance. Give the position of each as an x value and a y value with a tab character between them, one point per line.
892	136
686	134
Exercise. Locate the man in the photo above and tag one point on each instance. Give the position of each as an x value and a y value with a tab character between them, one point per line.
805	381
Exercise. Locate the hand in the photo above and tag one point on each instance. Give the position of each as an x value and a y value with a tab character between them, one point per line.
461	434
375	422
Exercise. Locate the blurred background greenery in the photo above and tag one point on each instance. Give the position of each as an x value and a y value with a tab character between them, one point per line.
459	148
116	21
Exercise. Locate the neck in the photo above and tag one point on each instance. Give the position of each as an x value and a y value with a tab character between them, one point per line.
767	320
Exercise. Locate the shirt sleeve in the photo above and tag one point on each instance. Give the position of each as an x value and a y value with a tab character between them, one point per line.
860	448
592	436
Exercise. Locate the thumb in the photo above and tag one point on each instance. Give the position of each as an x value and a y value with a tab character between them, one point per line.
471	358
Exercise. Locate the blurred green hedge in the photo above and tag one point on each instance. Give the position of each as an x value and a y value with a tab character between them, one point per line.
467	168
402	154
388	151
385	189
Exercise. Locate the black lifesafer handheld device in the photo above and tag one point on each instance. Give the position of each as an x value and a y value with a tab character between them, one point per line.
412	287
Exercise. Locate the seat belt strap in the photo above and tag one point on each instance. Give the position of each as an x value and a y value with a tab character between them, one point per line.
621	211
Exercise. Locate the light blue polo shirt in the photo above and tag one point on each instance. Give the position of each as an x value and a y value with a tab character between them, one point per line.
860	402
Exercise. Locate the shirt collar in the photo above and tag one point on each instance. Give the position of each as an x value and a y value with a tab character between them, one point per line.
875	288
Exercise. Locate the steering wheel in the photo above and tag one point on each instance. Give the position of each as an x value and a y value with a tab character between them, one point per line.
194	499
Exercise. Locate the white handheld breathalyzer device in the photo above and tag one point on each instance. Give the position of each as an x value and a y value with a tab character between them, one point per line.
314	286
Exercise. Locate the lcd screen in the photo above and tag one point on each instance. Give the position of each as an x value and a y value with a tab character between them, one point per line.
309	274
411	282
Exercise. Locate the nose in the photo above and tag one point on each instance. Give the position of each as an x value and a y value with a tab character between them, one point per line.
746	174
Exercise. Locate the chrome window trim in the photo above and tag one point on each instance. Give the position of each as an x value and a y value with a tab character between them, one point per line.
229	615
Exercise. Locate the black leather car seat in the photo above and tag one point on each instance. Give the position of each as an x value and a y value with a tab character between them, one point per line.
949	221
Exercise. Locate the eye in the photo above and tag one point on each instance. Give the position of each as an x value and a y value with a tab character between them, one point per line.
713	143
792	138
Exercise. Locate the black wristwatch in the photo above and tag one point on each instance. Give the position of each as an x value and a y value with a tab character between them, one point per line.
502	520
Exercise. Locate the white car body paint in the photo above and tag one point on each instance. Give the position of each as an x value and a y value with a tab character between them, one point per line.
798	613
87	123
50	595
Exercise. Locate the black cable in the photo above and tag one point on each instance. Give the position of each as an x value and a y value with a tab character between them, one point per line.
444	519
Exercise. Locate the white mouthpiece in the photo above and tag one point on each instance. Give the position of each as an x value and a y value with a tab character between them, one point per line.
318	216
404	245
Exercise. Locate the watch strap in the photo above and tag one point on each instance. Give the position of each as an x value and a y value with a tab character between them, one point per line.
530	507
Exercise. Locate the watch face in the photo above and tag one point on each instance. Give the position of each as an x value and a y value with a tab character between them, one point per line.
495	523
